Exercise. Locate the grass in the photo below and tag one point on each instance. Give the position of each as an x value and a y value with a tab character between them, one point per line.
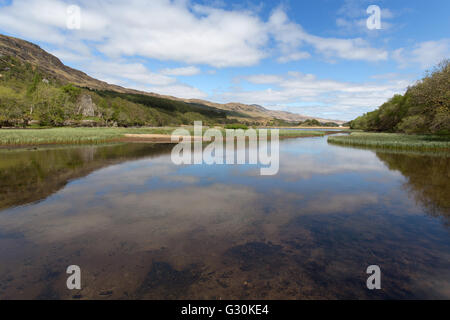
27	137
300	133
15	137
395	141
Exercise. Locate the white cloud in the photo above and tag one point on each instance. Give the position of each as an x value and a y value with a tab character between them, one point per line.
175	31
264	79
294	56
430	53
178	90
160	29
134	72
137	76
389	75
399	56
290	36
184	71
425	54
351	49
352	18
322	97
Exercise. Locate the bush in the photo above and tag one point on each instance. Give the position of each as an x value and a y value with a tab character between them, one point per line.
71	91
412	124
310	123
236	126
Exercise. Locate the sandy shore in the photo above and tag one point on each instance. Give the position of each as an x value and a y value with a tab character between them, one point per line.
161	138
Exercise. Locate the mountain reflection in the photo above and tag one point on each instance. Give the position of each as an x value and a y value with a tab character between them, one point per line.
31	175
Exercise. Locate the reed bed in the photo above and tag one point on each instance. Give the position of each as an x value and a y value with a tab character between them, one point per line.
15	137
393	141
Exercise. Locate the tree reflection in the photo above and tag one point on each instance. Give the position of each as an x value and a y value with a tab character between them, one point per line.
428	179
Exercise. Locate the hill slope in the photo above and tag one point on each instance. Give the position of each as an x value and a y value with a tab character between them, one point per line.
52	67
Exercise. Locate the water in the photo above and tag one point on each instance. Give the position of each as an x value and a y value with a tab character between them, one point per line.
142	228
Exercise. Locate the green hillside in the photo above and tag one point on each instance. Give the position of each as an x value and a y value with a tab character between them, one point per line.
29	96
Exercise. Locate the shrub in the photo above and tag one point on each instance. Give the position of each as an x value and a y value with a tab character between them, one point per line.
412	124
236	126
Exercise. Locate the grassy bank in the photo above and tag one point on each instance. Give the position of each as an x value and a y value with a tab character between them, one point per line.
17	137
393	141
285	133
28	137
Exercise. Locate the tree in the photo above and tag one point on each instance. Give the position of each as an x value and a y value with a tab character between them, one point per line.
424	108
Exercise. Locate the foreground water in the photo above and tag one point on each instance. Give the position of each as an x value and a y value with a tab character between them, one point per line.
140	227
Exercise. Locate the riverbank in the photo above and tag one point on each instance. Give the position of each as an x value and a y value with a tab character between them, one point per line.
395	141
68	136
311	128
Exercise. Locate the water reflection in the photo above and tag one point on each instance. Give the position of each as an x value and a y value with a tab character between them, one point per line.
31	175
427	177
148	229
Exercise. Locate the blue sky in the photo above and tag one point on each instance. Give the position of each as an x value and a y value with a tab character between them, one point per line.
310	57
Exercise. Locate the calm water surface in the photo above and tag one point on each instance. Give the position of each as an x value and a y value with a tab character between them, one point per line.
142	228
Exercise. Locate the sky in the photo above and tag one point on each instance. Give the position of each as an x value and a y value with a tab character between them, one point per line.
317	58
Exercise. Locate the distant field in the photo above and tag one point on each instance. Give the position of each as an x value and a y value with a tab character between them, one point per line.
393	141
27	137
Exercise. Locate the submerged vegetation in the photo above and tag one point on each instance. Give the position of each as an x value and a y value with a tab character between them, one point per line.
394	141
423	109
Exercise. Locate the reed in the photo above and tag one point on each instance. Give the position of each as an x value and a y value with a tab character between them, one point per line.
393	141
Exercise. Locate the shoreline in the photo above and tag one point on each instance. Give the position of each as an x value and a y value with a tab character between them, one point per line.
321	128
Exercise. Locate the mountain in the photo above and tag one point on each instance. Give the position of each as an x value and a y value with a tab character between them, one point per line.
50	65
259	112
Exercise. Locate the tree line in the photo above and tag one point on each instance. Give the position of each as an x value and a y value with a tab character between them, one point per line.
424	108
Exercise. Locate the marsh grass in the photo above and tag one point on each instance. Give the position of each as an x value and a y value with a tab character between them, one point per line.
30	137
14	137
393	141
